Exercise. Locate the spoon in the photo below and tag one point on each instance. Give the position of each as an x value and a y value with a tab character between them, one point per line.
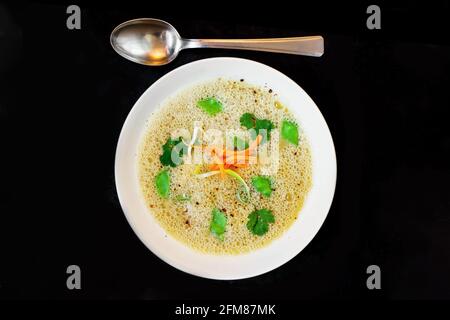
155	42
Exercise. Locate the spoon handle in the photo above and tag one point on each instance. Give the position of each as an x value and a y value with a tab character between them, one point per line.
307	46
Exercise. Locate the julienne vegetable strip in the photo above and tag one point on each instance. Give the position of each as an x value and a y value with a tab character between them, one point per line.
232	161
208	174
194	138
252	147
234	158
197	169
246	188
225	162
221	166
233	174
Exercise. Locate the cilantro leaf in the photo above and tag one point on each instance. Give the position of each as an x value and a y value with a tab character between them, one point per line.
173	151
263	185
252	218
162	182
258	221
218	223
264	124
210	105
257	126
263	127
248	120
266	215
289	132
260	228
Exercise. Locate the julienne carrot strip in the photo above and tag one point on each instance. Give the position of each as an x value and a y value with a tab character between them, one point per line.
244	155
255	143
223	165
251	147
222	171
215	167
225	159
220	164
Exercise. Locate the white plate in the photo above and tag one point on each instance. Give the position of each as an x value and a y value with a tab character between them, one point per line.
228	267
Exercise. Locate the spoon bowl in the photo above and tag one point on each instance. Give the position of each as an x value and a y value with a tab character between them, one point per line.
146	41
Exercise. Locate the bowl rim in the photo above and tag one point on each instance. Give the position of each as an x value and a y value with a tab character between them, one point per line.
166	258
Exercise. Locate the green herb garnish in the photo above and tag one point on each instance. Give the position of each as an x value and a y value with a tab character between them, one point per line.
263	127
218	223
258	221
162	182
257	126
248	120
263	185
173	151
210	105
289	132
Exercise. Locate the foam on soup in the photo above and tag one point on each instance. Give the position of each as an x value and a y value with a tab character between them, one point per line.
189	221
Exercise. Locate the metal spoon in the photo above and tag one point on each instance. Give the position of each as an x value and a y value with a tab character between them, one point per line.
155	42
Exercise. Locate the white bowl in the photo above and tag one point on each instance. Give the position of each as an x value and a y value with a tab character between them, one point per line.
312	214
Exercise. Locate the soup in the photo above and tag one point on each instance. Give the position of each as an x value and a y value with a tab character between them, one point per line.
224	166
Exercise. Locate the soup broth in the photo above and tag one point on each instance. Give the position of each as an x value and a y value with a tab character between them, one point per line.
186	212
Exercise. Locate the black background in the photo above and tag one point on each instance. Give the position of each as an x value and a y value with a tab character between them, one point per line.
65	94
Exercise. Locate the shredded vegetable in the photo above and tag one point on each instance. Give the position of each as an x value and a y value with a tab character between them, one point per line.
244	187
226	161
194	138
207	174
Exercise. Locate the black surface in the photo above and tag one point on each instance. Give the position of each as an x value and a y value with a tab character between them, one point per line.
384	94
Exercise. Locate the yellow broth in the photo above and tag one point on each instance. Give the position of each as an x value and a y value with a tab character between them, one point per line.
189	221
